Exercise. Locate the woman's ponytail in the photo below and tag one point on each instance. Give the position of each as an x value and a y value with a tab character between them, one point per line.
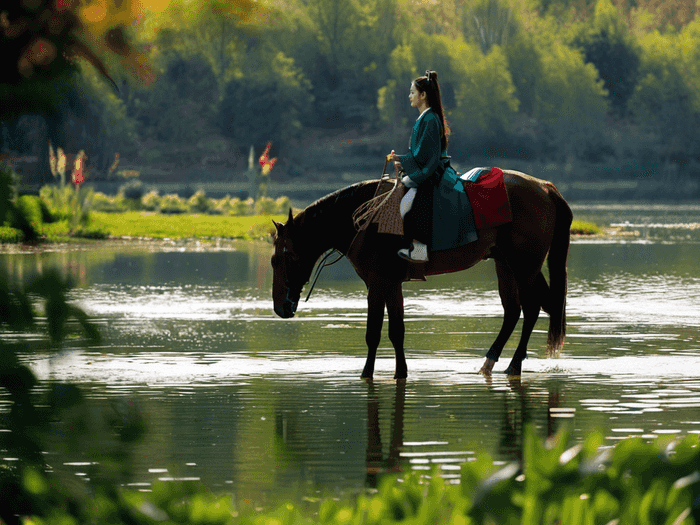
429	84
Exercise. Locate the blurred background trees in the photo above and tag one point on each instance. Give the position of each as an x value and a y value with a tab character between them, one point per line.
610	82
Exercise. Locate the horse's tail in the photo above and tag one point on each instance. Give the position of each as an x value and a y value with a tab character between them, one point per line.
557	261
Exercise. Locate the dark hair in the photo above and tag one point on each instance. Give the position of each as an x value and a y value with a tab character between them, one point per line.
429	85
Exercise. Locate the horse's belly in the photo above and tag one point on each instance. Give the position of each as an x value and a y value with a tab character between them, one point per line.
458	259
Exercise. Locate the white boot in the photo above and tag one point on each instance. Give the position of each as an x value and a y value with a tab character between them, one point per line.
418	252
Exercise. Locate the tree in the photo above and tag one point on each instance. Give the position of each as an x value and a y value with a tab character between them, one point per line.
489	23
571	101
265	104
607	44
666	100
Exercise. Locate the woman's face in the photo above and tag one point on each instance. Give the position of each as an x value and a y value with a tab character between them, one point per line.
416	97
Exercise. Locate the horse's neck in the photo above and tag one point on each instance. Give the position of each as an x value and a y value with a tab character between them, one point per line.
328	223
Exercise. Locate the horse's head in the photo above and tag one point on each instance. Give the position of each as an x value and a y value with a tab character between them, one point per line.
291	269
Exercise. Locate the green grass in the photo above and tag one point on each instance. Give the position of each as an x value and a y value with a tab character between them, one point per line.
185	226
144	224
147	224
585	228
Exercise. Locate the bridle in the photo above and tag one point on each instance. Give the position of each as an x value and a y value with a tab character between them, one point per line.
319	266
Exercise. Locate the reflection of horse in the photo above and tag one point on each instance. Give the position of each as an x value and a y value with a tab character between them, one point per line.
540	226
377	463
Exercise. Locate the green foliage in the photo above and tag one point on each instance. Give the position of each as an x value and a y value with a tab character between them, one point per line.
132	192
151	201
607	44
490	23
106	203
666	100
30	207
9	235
266	104
199	203
172	203
19	218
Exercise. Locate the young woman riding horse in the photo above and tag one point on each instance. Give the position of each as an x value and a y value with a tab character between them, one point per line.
437	219
539	231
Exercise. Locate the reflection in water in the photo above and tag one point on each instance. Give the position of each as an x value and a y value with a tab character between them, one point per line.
377	464
520	409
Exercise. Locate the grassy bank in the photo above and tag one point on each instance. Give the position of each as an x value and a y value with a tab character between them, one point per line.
140	224
194	226
154	225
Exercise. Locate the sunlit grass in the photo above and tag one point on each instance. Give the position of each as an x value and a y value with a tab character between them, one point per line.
193	226
137	224
585	228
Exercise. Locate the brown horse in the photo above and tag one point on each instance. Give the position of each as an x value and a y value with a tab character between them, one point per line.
540	230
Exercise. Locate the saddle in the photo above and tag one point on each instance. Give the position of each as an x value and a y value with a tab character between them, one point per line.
486	191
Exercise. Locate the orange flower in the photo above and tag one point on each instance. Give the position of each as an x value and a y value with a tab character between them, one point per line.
78	166
265	161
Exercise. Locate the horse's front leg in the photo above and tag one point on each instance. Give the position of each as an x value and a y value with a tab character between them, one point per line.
397	328
373	333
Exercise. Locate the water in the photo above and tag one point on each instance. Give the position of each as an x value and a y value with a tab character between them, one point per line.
266	407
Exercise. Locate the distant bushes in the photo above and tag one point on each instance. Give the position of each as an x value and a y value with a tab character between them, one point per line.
59	212
136	198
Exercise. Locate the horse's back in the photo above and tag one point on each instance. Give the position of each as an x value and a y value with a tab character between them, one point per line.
537	206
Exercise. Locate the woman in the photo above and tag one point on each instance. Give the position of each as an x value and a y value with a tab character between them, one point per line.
441	216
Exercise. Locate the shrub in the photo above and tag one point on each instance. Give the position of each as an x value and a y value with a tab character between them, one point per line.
173	203
223	206
199	203
265	206
151	201
106	203
132	192
91	232
241	207
30	207
57	200
9	235
283	204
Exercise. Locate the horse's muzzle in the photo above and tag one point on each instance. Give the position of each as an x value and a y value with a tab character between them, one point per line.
286	309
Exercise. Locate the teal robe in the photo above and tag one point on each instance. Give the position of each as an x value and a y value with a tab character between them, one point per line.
451	223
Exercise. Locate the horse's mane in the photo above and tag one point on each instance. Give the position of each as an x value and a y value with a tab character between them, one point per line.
334	209
348	192
348	198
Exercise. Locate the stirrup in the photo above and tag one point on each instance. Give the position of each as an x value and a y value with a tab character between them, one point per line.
418	252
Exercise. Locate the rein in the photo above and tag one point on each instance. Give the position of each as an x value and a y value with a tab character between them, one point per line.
364	214
361	219
321	266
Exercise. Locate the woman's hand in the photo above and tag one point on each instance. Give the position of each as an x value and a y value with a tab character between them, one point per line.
395	158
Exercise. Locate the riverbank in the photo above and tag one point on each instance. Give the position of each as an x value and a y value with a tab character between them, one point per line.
193	230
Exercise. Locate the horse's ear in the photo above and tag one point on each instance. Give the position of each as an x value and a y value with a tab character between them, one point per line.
291	217
278	226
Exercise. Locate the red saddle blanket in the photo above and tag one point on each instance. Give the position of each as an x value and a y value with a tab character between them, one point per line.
488	197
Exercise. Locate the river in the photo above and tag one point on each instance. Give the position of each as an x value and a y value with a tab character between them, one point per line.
266	408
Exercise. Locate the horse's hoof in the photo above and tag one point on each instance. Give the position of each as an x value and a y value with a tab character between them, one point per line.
513	371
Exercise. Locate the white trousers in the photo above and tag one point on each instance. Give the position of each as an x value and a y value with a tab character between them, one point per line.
408	198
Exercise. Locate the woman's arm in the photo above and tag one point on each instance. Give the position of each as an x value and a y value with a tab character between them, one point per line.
422	162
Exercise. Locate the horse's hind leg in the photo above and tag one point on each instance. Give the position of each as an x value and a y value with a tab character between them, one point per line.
531	311
508	290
